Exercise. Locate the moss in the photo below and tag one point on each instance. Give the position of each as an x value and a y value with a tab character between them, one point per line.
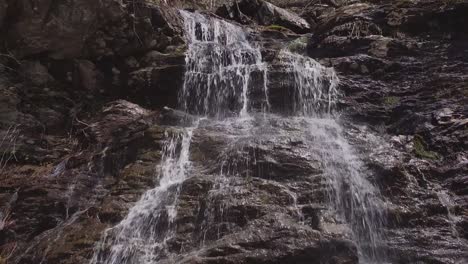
420	149
405	1
265	198
298	45
465	91
391	100
180	50
85	241
277	28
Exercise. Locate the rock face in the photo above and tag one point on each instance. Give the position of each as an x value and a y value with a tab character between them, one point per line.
83	129
404	71
59	29
264	13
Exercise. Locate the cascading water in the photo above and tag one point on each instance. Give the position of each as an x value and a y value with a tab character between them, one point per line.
354	199
142	235
448	203
314	86
220	61
220	64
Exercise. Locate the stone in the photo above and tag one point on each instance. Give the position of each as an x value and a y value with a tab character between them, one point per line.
157	86
267	14
271	15
117	119
174	117
36	73
87	76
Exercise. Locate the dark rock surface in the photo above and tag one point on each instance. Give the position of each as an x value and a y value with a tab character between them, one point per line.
402	68
82	88
264	13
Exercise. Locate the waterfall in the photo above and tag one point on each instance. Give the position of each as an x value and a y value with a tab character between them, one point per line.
142	235
220	61
354	199
220	65
448	203
314	86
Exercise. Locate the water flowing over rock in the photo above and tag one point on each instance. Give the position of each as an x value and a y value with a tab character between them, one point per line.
308	88
233	131
142	235
220	62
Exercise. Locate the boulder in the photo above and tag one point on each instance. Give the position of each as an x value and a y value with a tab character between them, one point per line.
117	122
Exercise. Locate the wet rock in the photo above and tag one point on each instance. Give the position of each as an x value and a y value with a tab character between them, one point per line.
157	86
155	59
191	4
158	79
392	80
174	117
86	192
265	13
119	120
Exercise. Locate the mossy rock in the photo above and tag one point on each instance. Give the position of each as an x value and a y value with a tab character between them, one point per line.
420	149
298	45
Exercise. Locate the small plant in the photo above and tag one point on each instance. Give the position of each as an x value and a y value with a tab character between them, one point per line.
6	252
8	144
391	100
277	28
420	149
465	91
298	45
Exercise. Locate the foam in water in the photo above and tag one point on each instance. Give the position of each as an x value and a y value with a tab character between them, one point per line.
315	87
353	198
220	61
142	235
448	203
